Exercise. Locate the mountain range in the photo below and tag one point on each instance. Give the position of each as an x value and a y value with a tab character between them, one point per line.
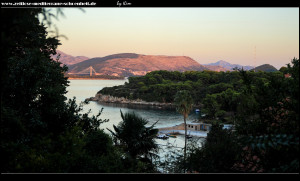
229	66
69	59
132	64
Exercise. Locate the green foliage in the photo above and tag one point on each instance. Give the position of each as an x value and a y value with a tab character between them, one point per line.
272	135
40	130
266	133
211	106
184	102
283	70
264	107
162	85
136	140
217	154
277	152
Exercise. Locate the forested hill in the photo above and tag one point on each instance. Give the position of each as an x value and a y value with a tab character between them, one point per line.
161	86
131	64
265	68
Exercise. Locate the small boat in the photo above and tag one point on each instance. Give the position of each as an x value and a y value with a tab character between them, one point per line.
162	136
197	110
173	136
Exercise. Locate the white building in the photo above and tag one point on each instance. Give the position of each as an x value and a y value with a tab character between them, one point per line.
198	126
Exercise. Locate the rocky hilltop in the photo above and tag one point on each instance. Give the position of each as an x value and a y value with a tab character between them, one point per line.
131	64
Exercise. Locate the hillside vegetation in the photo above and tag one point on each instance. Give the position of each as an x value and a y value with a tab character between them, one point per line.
216	92
263	106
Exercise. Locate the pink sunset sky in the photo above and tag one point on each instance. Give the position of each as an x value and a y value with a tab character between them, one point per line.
205	34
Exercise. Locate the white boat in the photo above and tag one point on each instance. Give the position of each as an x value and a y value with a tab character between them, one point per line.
162	136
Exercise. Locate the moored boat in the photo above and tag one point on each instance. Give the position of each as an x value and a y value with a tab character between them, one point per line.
172	136
162	136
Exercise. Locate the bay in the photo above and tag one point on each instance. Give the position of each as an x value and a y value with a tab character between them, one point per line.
82	89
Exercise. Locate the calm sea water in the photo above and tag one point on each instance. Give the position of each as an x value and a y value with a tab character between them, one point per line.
82	89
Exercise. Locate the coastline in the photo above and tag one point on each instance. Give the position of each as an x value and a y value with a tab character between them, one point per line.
177	129
107	99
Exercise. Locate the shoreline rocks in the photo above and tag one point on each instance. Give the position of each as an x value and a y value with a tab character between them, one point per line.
100	98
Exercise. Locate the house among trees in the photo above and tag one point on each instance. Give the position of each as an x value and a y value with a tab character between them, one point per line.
287	75
198	126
